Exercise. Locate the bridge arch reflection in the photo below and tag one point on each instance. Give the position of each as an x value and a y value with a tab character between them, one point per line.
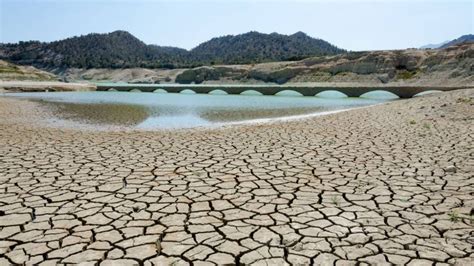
291	93
218	92
187	91
331	94
251	93
379	94
160	91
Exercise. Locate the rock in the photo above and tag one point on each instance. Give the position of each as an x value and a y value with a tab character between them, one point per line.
450	169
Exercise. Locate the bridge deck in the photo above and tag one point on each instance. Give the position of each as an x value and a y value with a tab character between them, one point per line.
306	90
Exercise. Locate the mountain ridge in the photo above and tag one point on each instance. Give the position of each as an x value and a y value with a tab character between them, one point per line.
462	39
448	43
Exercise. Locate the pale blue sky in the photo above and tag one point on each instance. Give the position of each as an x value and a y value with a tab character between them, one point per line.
350	24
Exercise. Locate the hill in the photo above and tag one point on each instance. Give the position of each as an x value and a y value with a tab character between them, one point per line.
254	47
120	49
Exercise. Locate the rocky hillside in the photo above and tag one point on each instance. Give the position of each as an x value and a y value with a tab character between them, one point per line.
451	66
9	71
120	49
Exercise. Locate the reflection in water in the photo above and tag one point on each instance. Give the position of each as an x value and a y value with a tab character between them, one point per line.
187	91
230	115
107	114
331	94
173	121
289	93
177	110
251	93
160	91
218	92
379	94
148	117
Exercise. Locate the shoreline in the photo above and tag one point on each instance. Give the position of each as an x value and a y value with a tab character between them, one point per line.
78	125
388	184
43	86
283	119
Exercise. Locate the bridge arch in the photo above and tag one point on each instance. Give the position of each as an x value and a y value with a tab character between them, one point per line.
187	91
331	94
379	94
160	91
291	93
218	92
306	90
251	93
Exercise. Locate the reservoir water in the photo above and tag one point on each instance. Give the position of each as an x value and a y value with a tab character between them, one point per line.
149	111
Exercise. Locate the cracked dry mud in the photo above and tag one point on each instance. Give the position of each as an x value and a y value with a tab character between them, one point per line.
385	184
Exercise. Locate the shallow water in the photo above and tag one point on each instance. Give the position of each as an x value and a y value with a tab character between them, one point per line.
168	110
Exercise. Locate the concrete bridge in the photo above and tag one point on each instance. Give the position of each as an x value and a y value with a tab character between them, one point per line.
305	90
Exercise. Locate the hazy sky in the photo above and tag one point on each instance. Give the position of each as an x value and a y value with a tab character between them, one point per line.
350	24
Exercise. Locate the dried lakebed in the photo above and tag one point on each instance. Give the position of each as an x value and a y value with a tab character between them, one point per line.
391	183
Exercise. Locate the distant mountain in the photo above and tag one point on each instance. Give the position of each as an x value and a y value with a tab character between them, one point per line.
462	39
433	46
253	47
120	49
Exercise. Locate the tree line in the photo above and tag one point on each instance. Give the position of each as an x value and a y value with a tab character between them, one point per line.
121	49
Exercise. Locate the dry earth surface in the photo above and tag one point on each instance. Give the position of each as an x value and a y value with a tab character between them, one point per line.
385	184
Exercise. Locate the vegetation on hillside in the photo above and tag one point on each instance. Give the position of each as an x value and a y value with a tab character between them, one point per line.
255	47
120	49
